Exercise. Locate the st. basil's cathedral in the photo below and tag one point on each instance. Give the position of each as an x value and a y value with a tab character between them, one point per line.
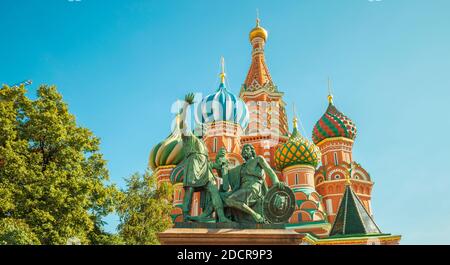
332	191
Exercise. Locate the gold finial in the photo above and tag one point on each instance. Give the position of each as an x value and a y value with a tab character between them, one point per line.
295	120
330	95
222	73
257	17
258	31
348	176
347	181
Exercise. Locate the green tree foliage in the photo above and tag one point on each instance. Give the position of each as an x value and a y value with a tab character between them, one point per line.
16	232
52	176
144	210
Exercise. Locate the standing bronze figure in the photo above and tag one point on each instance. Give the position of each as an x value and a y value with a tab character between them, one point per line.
196	170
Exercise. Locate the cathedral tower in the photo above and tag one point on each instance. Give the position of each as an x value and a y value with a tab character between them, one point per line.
334	134
268	125
297	159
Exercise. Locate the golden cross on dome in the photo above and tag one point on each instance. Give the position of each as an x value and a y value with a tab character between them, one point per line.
295	120
222	73
330	95
257	17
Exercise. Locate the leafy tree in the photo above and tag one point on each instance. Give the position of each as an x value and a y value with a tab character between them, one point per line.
99	237
144	210
52	175
16	232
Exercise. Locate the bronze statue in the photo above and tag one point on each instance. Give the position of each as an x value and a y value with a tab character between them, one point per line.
197	172
244	192
249	196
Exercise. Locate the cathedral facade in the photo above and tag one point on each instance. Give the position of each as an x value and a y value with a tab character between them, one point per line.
332	191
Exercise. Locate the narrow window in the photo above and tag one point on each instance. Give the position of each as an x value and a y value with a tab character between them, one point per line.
329	206
296	179
215	145
335	158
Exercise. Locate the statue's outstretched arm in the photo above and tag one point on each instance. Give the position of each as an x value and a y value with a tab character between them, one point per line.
188	100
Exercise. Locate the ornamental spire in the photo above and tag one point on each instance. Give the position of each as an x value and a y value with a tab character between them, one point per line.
295	120
257	17
347	178
349	175
222	73
258	75
330	95
295	132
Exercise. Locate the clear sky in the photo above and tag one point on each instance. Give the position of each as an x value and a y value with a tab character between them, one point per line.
121	64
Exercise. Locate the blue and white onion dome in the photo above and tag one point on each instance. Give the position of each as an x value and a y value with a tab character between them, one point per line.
223	106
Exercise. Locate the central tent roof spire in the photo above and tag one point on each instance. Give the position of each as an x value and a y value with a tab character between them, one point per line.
258	75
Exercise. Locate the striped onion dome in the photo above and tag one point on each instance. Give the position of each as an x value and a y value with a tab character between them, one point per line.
167	152
223	106
297	151
333	124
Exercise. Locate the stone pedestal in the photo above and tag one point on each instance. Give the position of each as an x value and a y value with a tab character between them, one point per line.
232	236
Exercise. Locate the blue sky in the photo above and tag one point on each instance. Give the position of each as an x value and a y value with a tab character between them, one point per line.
121	64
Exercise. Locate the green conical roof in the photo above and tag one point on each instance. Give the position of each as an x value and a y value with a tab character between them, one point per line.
352	217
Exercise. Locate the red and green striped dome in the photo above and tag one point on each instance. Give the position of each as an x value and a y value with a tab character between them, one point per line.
333	124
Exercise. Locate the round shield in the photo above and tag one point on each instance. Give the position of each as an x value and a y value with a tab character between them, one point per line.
279	204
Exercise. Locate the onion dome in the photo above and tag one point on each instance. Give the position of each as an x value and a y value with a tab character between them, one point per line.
168	151
333	124
223	106
297	151
258	31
